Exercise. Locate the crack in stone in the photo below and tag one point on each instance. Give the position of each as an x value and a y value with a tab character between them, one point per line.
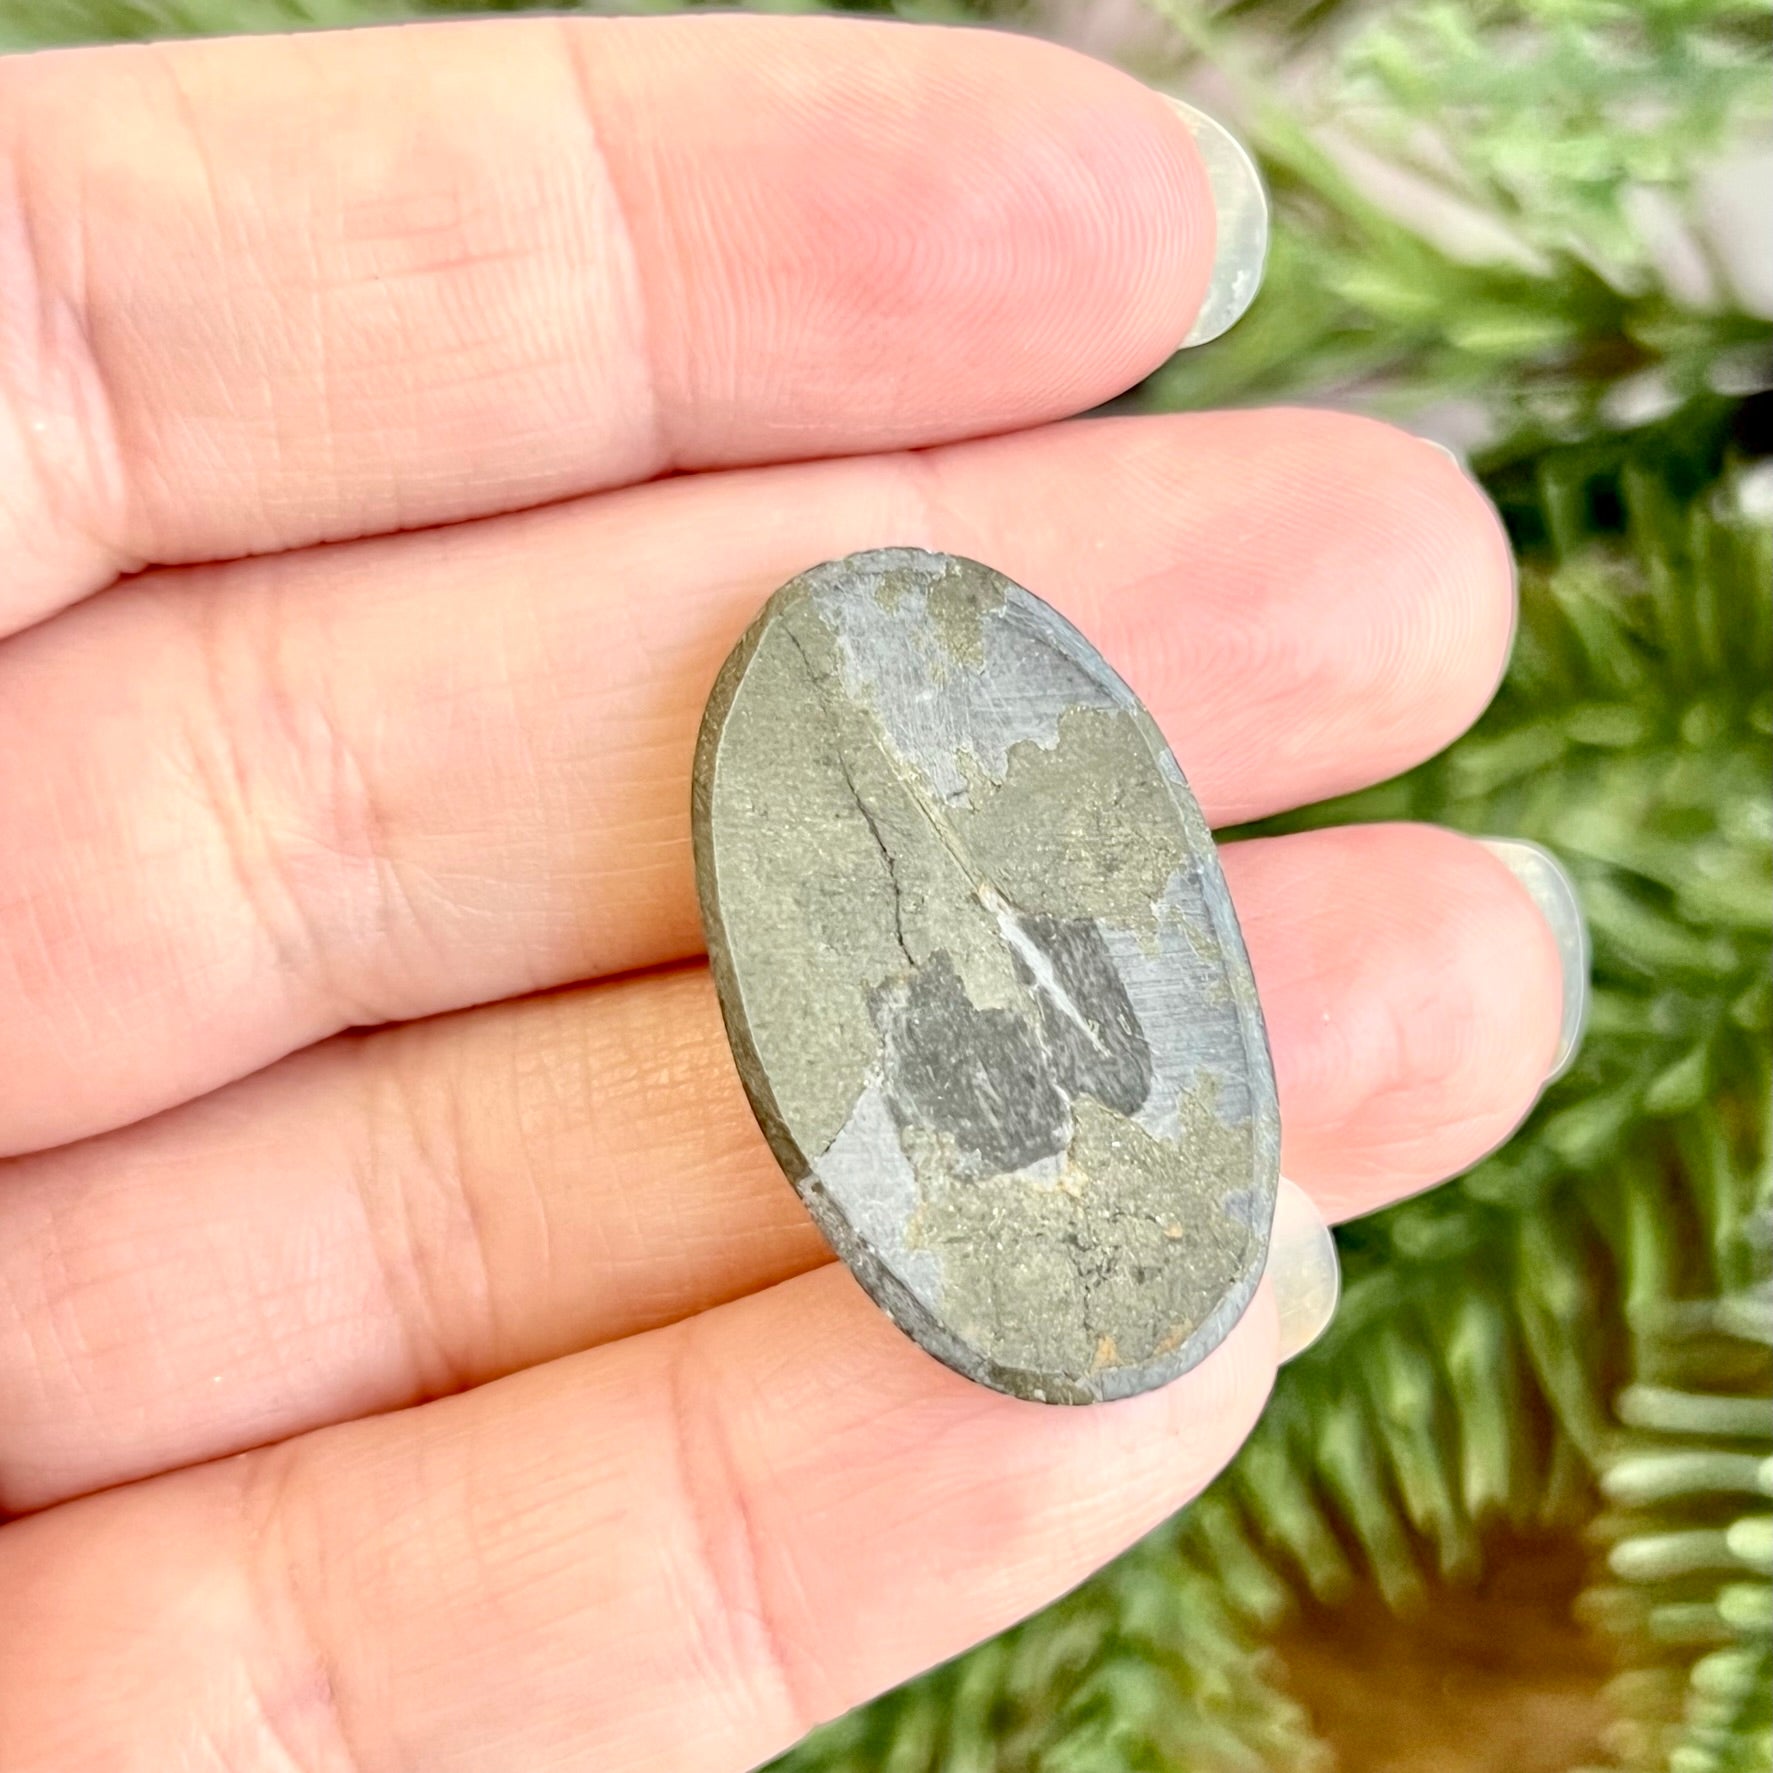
821	687
1009	917
886	856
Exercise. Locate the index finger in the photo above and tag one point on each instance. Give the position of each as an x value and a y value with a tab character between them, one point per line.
263	293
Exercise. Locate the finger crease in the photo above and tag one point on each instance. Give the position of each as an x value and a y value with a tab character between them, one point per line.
300	823
55	387
226	792
744	1625
424	1305
625	255
300	1724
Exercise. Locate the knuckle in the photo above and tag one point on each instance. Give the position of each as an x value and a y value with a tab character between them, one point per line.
740	1630
430	1244
294	806
61	455
287	1712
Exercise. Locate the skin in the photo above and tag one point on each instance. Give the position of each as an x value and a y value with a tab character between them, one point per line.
338	1143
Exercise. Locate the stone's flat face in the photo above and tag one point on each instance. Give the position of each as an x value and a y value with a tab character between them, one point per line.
982	977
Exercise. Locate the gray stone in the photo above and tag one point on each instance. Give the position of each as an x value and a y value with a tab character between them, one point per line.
982	978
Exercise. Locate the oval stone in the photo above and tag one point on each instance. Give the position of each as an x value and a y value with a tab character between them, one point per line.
982	978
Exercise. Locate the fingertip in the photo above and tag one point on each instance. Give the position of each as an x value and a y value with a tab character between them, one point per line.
1029	229
1491	575
1414	996
1351	581
1430	637
1447	582
1556	918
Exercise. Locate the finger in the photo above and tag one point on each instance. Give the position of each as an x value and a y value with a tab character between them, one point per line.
678	1552
385	1219
250	806
281	290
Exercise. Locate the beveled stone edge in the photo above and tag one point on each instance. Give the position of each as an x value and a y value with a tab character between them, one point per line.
746	1060
883	1287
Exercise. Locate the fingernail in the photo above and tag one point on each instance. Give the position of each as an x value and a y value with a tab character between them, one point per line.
1553	891
1303	1271
1240	208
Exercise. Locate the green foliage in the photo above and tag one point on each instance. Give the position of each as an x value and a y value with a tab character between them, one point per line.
1630	1229
1527	98
1579	1334
1154	1666
1527	145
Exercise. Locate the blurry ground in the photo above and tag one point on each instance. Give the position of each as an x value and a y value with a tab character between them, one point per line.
1489	1679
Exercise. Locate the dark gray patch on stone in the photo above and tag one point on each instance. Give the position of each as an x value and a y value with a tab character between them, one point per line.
998	1084
1106	1055
982	978
982	1077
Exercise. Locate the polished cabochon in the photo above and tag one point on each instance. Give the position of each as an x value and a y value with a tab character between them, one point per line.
982	979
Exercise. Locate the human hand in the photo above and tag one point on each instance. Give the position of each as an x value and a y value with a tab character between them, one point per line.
294	844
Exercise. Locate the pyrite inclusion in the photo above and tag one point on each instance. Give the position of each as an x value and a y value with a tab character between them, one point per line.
982	978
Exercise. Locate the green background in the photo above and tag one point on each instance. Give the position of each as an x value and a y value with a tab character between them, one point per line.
1513	1510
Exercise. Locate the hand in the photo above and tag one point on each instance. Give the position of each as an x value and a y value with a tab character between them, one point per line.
351	1046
